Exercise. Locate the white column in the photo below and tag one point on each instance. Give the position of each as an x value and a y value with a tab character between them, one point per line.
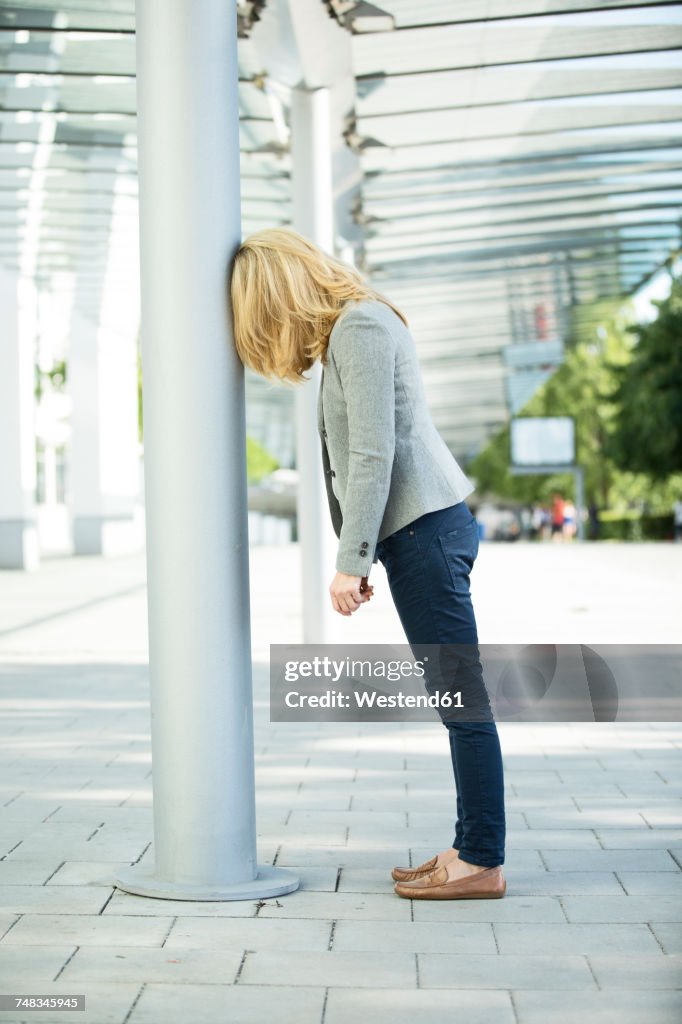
195	462
103	463
313	216
18	528
102	379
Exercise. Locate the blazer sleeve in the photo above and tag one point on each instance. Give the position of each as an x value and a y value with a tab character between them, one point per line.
364	354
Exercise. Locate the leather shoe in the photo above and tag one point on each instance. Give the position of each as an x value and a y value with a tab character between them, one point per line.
409	874
488	884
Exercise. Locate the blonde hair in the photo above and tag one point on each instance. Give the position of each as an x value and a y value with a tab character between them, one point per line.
286	295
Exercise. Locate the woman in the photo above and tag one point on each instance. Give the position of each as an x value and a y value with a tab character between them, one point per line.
396	495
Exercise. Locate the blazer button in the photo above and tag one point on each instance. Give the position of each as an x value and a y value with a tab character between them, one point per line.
364	544
324	433
362	552
332	472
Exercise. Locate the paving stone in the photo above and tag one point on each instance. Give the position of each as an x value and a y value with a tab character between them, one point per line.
94	813
249	933
551	839
17	970
670	817
104	1004
539	799
414	937
517	909
111	848
315	878
370	880
504	972
375	856
609	1007
142	906
353	970
7	921
406	1006
575	938
643	839
578	776
315	835
87	872
340	820
45	899
622	908
441	823
87	930
669	935
611	815
610	860
642	802
27	810
562	764
140	963
638	972
599	789
385	847
15	871
51	832
561	883
339	905
243	1004
661	883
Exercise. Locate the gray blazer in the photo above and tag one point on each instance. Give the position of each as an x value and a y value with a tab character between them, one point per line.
385	463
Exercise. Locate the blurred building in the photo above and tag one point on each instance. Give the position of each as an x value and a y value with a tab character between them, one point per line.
494	166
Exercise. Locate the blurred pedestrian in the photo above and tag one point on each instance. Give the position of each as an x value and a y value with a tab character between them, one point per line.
526	518
595	522
677	519
557	517
570	522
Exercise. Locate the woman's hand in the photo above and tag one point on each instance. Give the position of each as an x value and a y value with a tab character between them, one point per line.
346	595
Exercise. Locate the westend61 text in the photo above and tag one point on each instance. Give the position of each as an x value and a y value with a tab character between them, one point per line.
371	699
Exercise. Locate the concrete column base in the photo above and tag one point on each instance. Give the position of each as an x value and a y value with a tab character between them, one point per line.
141	880
19	548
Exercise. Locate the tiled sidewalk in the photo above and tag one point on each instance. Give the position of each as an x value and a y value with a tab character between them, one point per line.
590	927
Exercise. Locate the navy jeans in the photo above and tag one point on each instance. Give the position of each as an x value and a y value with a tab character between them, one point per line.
428	563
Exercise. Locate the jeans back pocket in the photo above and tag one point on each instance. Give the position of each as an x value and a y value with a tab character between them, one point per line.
459	547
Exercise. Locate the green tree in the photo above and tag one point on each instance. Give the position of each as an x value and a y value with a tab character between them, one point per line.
579	388
647	398
259	461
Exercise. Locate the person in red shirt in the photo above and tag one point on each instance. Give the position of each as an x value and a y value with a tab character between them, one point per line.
557	517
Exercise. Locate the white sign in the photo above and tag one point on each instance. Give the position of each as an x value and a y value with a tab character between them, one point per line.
543	440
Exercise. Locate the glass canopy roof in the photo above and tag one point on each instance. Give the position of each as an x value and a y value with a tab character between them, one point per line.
517	157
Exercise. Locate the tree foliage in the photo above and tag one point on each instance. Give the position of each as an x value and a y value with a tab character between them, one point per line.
622	384
647	430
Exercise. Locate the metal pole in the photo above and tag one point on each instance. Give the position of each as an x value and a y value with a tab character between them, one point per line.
195	463
579	501
313	216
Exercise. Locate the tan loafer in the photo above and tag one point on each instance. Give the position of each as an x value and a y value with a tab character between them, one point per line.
409	874
488	884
